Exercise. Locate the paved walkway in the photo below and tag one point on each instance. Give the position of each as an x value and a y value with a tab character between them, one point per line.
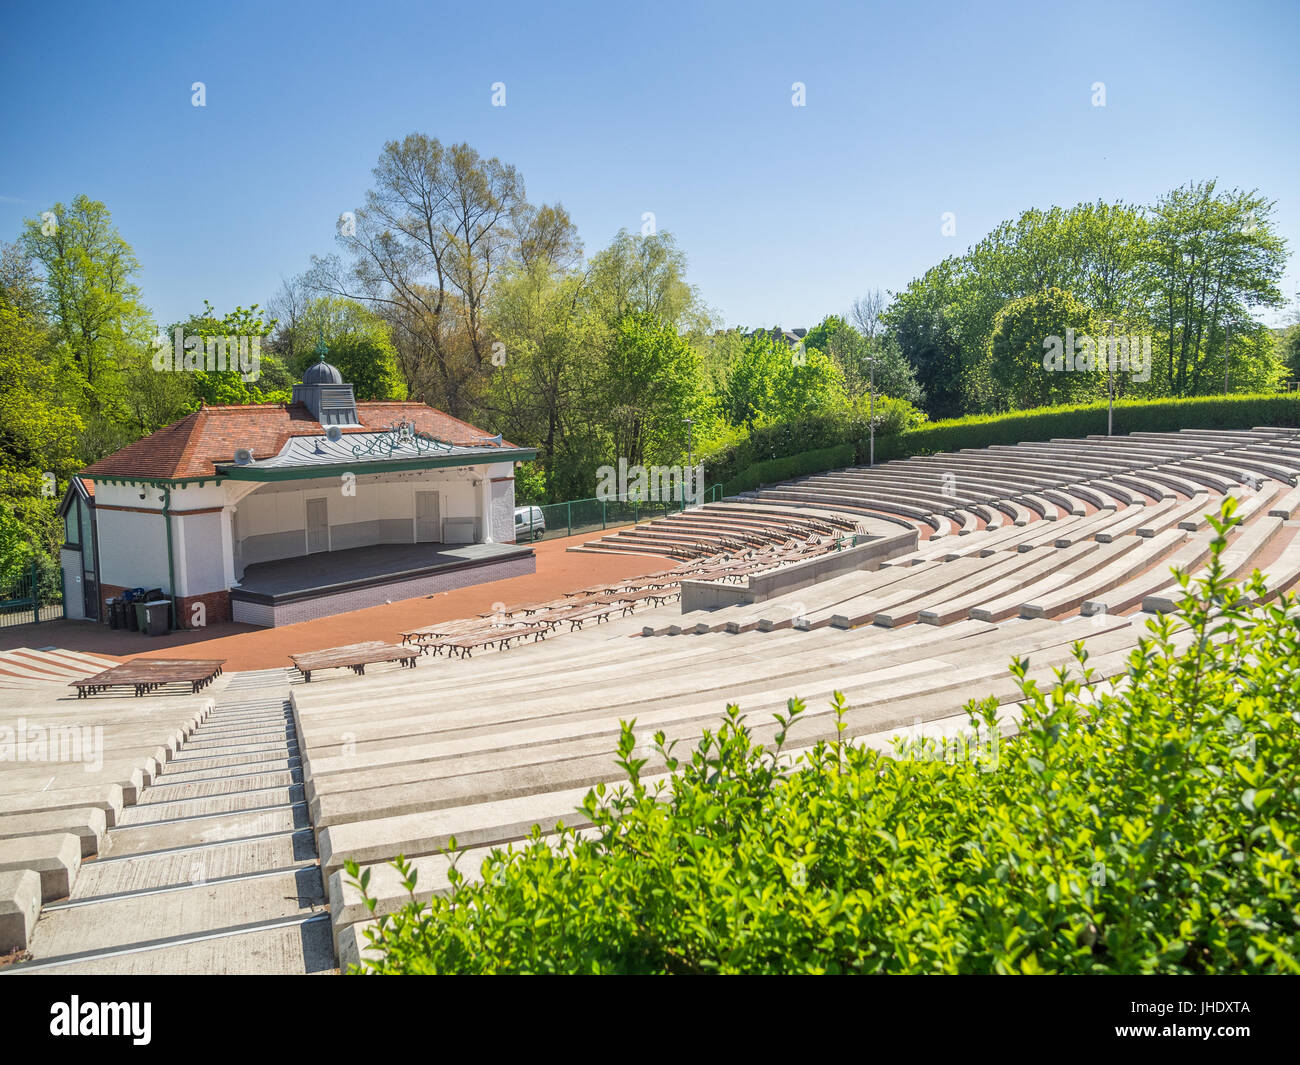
246	648
214	870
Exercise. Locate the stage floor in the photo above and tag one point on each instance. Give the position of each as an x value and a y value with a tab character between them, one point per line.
331	572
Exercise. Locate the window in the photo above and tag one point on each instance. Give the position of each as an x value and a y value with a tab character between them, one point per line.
72	533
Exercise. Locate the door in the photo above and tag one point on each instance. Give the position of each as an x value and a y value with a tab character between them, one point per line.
426	518
318	528
89	584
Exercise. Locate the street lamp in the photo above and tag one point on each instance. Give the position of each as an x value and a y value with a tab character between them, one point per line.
690	458
1227	340
871	359
1110	376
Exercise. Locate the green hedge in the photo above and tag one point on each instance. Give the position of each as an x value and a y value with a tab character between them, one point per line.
976	431
1161	415
826	458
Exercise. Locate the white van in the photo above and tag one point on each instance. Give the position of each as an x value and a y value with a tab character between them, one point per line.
529	524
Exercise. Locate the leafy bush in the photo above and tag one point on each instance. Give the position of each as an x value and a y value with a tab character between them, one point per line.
1149	828
849	423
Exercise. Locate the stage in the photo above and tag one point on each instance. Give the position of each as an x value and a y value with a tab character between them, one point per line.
290	590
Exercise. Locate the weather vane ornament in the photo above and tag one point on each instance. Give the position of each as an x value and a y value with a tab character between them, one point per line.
403	436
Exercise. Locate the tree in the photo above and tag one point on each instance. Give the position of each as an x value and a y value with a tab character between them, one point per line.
270	381
770	381
39	435
356	341
923	322
545	390
645	274
1030	329
87	274
426	248
855	354
1211	258
649	382
868	312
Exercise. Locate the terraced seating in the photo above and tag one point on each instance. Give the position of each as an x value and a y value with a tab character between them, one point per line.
1032	548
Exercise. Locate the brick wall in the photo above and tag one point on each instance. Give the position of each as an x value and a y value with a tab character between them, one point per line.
217	605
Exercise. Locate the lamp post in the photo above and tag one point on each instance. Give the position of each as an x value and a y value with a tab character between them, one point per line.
1227	340
1110	377
690	458
872	362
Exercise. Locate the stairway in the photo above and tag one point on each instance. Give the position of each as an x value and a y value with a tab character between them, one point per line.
214	870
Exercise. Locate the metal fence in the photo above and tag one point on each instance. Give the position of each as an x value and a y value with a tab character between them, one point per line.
21	601
593	515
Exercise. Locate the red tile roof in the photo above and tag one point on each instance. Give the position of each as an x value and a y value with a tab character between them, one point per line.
190	447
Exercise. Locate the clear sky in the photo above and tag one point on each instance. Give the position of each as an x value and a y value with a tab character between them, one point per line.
786	213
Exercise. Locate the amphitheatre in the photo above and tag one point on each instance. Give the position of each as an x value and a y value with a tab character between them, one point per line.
212	837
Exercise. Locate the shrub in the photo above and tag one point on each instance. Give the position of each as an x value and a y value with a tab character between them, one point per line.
846	424
1149	828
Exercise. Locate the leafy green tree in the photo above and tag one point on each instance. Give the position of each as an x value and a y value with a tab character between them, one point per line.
649	381
1211	259
1025	333
272	384
357	342
544	390
87	273
1288	352
770	381
923	323
40	431
645	275
862	359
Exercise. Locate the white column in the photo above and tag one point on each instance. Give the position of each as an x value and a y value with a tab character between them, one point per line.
228	545
485	504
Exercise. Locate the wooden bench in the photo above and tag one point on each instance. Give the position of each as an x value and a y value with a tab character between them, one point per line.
355	656
600	612
149	674
455	627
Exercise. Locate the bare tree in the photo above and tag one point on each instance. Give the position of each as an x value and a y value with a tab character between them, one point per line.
436	228
866	313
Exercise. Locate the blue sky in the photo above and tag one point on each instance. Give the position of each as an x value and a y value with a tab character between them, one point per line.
785	213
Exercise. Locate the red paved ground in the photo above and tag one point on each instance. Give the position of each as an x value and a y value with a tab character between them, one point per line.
246	647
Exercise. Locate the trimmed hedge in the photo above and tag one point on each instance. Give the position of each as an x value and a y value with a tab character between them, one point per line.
1044	423
773	470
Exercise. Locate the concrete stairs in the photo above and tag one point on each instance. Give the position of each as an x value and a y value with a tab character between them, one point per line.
213	870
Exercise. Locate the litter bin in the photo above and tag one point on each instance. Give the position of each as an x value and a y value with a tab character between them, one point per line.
114	613
154	617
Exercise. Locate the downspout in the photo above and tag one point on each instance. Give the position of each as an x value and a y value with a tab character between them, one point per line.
171	565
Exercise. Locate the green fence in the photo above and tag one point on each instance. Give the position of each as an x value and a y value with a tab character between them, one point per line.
592	515
23	601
